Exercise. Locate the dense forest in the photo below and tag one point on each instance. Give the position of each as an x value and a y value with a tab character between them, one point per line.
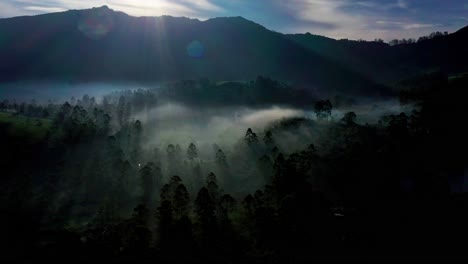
88	179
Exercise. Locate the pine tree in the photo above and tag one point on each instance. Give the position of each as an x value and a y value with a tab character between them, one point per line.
181	201
250	137
227	205
221	159
212	186
148	183
205	211
192	152
268	138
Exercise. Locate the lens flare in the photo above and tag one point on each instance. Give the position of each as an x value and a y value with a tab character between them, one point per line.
2	39
195	49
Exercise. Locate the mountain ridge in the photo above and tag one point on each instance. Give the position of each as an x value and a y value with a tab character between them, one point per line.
101	44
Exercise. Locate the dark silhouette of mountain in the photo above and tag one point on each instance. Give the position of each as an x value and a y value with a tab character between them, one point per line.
100	44
384	63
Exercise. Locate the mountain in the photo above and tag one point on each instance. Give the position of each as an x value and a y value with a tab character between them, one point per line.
384	63
100	44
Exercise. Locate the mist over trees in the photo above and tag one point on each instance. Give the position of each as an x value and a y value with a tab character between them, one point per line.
87	178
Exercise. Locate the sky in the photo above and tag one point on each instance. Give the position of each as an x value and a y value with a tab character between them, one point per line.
352	19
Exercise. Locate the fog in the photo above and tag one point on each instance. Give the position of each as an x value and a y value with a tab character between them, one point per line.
371	110
42	91
224	127
177	122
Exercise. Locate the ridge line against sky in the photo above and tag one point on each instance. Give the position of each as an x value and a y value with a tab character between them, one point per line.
353	19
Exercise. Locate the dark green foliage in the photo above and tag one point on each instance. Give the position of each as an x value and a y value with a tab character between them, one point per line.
212	186
168	190
165	193
280	175
349	119
165	213
227	205
323	109
265	166
150	181
248	204
205	209
387	63
141	215
181	201
274	152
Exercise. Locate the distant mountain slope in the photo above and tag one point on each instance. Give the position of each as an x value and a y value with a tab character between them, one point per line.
385	63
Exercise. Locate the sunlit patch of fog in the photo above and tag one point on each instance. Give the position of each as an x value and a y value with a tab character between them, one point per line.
173	123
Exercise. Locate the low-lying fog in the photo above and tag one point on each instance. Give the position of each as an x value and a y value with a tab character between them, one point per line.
175	122
42	92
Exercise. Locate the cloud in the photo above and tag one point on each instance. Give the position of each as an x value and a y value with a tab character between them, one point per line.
263	117
203	5
151	8
404	25
367	4
351	19
417	26
382	22
192	8
322	12
65	4
402	4
9	10
323	17
356	18
45	9
176	123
